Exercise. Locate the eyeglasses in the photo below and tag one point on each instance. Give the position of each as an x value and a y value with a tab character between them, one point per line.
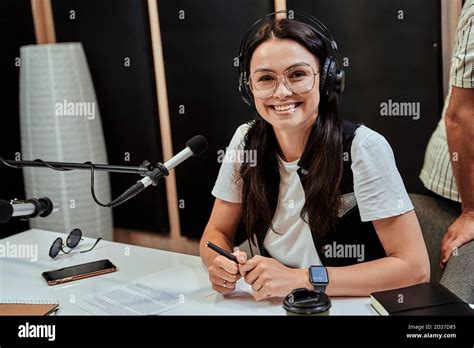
72	240
298	80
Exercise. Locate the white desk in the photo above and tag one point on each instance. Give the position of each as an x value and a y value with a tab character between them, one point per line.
20	278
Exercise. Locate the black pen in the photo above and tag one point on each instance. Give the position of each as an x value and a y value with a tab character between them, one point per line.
222	252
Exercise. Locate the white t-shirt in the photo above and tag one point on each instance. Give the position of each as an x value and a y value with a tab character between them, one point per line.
378	191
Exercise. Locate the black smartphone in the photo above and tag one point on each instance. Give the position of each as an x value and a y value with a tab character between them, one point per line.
85	270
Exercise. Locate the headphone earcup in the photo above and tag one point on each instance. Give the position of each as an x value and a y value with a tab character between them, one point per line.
324	78
330	79
245	91
340	81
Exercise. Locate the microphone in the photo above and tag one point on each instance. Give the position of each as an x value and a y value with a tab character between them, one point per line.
30	208
195	146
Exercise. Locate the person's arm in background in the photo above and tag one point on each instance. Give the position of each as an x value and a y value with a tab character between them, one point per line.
459	121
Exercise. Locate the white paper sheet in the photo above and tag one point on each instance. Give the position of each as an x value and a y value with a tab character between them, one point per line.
153	294
136	298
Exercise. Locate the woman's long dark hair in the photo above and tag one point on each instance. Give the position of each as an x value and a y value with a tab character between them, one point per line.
323	150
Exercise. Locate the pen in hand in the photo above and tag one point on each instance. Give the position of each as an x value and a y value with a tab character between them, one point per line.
222	252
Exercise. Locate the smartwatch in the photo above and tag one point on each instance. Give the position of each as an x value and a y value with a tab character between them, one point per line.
318	277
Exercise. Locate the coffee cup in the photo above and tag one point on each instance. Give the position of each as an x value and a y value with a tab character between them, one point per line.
307	302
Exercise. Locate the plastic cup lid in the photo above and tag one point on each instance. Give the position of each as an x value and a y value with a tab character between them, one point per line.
304	301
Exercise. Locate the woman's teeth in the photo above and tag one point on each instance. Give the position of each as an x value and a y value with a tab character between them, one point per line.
287	108
284	107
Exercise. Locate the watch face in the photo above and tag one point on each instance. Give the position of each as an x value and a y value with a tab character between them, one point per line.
318	275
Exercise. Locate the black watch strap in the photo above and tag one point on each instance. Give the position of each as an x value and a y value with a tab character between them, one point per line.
320	287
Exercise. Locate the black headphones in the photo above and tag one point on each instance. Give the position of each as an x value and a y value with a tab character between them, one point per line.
332	74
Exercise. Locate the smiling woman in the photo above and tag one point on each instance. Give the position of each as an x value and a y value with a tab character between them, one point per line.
319	183
291	92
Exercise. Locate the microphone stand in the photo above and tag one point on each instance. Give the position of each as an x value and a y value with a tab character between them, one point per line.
146	169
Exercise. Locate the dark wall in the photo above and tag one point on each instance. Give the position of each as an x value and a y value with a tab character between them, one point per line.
199	53
17	27
111	32
392	59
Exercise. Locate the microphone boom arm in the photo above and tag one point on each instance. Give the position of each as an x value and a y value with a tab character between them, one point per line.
142	170
146	169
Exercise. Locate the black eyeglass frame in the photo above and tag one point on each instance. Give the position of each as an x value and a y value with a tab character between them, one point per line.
68	244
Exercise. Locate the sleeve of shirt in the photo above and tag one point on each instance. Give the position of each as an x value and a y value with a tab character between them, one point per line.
462	65
228	186
378	186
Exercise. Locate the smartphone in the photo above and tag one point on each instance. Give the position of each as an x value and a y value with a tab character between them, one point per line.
85	270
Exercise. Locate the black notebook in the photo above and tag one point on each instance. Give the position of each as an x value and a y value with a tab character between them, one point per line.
421	299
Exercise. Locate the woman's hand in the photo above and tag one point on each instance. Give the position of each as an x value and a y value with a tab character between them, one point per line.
224	273
270	278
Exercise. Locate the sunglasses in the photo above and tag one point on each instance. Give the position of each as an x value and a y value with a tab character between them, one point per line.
72	240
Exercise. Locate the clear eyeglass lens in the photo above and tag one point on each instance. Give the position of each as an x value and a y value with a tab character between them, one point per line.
299	80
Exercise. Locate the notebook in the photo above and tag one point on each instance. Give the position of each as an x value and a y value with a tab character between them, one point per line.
27	307
420	299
